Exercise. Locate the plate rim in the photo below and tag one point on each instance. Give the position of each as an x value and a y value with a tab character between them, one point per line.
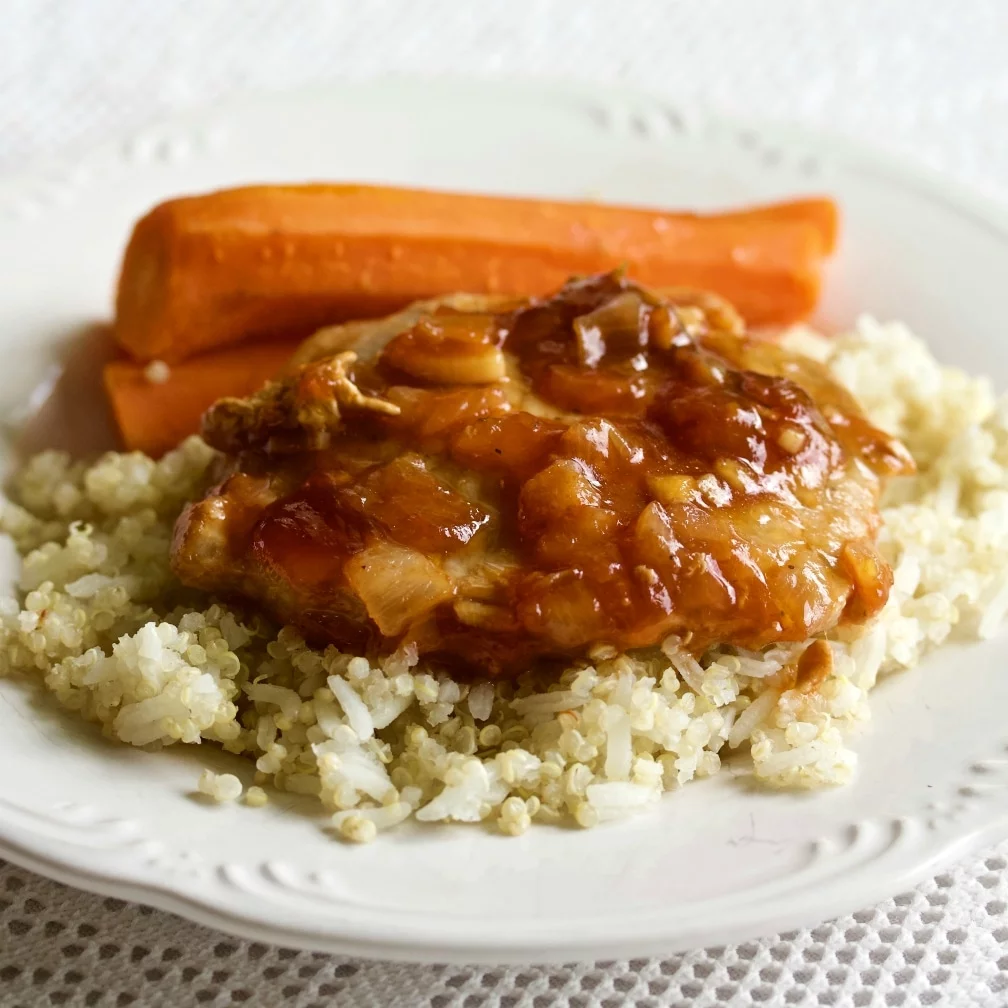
982	210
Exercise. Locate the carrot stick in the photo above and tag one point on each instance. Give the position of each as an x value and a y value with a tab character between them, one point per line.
819	212
155	415
266	261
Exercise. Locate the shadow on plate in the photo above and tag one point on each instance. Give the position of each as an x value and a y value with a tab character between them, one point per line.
68	409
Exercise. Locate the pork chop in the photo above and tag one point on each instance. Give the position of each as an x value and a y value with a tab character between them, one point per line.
496	481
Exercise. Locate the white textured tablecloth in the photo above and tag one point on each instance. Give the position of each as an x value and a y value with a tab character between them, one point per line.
928	78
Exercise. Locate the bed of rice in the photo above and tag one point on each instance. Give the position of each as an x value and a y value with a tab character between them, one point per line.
99	619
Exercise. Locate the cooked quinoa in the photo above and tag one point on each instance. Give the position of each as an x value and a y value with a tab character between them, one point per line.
101	621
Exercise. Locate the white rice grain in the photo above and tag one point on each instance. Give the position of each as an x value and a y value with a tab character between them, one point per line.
481	701
616	799
619	744
548	703
689	670
752	717
357	713
279	696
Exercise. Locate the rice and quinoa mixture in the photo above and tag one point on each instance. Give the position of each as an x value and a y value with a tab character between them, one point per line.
102	622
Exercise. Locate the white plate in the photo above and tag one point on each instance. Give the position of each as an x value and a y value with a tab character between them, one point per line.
718	862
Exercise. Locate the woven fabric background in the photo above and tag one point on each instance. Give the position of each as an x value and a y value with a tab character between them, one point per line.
925	78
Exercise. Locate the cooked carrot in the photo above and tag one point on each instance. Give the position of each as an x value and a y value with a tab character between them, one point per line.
205	271
155	407
820	212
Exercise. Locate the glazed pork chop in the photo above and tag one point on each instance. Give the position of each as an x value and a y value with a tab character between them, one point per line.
493	481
